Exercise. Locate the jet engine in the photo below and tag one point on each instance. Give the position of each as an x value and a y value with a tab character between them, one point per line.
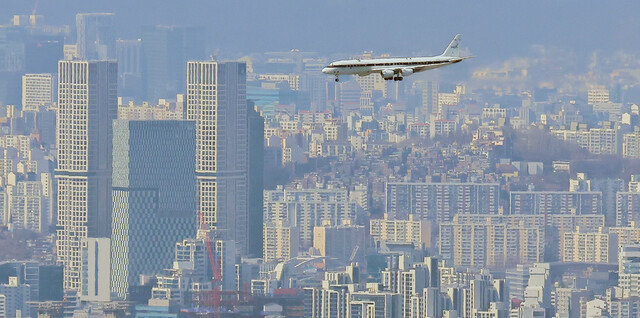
387	74
406	71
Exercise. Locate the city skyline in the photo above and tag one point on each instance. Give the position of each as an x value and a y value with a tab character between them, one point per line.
190	163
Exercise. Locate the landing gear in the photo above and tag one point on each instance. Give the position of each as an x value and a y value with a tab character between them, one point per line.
397	78
337	79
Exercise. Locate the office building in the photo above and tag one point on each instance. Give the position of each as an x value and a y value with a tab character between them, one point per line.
217	102
26	273
96	36
440	201
165	52
430	92
129	54
37	91
256	182
154	196
609	111
517	279
14	298
87	104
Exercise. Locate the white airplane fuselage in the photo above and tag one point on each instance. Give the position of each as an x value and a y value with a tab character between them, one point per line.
399	66
395	68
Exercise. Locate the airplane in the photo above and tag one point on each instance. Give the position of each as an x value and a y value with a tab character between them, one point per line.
399	67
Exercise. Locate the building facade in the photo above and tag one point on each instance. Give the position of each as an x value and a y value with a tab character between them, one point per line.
440	201
87	103
154	196
217	102
37	91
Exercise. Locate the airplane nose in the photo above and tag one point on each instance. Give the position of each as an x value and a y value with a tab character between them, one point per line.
325	70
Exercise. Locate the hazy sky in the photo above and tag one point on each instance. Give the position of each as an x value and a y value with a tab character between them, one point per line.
492	29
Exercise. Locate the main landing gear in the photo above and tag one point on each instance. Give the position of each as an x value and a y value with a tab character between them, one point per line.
396	78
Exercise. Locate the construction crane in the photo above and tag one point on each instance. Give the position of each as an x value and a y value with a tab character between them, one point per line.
213	297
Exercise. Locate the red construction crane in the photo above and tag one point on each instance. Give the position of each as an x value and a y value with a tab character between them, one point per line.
213	298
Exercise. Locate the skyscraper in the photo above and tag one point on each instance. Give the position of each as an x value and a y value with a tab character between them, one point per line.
216	101
87	103
256	183
165	52
96	35
154	202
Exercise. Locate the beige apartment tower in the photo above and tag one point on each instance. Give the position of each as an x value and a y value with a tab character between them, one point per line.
216	100
87	104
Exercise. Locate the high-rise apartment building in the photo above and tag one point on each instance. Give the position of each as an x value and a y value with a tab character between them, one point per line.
307	208
27	206
416	232
629	270
96	35
217	102
440	201
492	243
280	241
87	104
154	196
37	91
555	202
599	141
589	247
631	145
627	208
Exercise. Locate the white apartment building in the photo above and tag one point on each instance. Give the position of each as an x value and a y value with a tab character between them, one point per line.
37	91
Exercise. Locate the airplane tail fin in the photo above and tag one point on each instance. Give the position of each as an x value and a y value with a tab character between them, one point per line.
452	49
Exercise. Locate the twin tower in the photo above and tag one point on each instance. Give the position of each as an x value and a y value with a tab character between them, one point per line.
98	176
